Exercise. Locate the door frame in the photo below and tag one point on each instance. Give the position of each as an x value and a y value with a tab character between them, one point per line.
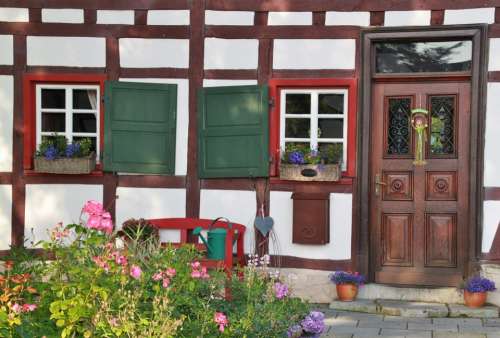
478	79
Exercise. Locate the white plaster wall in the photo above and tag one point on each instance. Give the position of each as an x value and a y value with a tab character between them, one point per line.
5	216
238	18
14	14
289	18
492	137
66	51
6	121
236	205
48	204
494	55
168	17
471	15
151	203
154	53
64	15
220	82
347	18
407	18
112	17
231	53
339	248
182	126
314	54
7	50
491	219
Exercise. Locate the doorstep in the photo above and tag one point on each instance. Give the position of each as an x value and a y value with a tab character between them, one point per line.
415	309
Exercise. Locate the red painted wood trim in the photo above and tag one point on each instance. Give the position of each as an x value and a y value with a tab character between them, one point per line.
94	30
141	17
178	73
314	264
275	85
231	74
30	80
497	14
491	193
228	184
6	70
36	178
377	18
64	70
90	16
319	18
343	186
151	181
35	15
437	17
494	76
313	73
99	4
5	178
260	19
351	5
283	32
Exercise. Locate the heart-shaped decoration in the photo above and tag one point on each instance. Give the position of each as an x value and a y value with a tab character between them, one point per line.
264	224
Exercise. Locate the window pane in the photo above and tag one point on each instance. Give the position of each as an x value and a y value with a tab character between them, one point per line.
54	98
331	152
84	99
93	139
298	103
54	122
330	128
398	129
442	125
297	128
416	57
331	104
84	123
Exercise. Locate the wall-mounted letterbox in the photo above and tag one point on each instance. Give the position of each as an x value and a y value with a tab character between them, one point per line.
311	218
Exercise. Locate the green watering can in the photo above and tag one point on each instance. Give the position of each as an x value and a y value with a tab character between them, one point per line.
216	239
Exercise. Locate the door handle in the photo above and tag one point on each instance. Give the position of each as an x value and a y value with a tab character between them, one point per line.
378	183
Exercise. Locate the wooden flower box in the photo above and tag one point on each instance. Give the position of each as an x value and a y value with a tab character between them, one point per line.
310	172
76	165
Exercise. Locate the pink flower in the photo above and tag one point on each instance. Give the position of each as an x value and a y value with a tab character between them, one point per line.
135	272
93	208
113	321
121	260
170	272
195	265
165	283
157	276
196	274
221	320
16	308
204	273
29	307
94	222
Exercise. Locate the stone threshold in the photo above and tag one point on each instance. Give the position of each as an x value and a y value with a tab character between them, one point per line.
415	309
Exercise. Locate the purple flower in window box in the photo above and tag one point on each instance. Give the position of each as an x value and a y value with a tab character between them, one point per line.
51	153
72	150
296	157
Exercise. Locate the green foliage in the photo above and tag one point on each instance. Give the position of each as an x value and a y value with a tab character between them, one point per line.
85	147
81	148
328	153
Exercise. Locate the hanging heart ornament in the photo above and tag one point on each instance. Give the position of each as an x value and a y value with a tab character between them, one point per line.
263	224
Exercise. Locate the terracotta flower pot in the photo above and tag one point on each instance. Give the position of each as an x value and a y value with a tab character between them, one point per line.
346	292
475	299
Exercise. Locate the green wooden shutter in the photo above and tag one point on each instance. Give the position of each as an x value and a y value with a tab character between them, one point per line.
139	127
233	132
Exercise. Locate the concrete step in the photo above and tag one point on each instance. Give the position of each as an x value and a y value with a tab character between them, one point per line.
428	295
415	309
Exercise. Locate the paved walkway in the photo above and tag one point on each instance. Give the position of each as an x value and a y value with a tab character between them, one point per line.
353	324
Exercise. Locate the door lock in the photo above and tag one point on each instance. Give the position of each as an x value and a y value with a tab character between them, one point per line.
378	183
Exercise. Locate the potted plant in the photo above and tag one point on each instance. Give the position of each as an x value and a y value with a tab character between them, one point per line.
476	291
139	230
300	163
347	284
56	156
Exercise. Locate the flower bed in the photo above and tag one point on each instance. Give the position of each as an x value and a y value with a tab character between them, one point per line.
96	285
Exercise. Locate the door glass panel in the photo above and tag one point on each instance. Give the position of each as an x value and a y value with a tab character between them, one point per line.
398	128
298	103
297	128
442	140
418	57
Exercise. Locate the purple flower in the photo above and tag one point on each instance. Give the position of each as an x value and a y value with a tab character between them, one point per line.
314	153
479	284
295	331
72	149
280	290
314	322
296	157
50	153
343	277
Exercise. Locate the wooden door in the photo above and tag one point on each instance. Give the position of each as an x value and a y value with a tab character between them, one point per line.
419	214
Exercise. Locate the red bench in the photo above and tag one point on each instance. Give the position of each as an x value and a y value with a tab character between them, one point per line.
188	224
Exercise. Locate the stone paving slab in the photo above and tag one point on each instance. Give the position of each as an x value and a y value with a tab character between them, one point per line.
412	309
458	335
458	310
360	305
405	333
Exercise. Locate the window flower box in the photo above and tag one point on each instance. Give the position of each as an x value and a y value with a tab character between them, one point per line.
310	172
75	165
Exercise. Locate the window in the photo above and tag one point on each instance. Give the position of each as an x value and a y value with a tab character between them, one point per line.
317	112
68	110
314	117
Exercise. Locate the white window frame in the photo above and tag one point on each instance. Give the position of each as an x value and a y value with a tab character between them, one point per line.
313	116
68	111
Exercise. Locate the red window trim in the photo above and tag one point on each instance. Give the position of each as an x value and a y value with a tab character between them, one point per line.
275	87
29	99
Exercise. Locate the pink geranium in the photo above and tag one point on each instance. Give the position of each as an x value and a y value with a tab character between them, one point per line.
221	320
29	307
170	272
98	218
16	308
165	283
157	276
135	271
93	208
